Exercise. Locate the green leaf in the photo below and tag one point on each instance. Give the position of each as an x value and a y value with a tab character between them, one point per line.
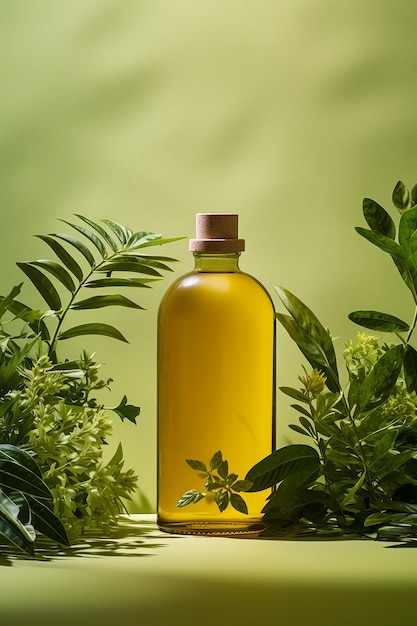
223	469
46	522
63	256
92	329
414	194
17	472
352	492
407	228
122	233
155	240
222	499
58	271
293	504
100	230
128	266
98	302
216	460
378	219
12	529
120	282
379	321
382	378
126	411
43	285
297	394
199	466
401	197
238	503
296	460
190	497
410	368
92	237
242	485
299	430
7	301
78	245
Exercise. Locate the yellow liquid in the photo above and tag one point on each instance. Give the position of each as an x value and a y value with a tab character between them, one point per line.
215	392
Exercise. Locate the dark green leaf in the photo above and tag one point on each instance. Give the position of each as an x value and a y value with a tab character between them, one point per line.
242	485
120	282
43	285
92	237
46	522
297	394
122	233
238	503
223	469
292	504
98	302
301	410
126	411
92	329
199	466
101	231
222	500
401	196
414	194
128	266
216	460
190	497
7	301
17	472
296	460
378	219
381	380
407	228
410	368
58	271
379	321
12	529
298	429
78	245
63	255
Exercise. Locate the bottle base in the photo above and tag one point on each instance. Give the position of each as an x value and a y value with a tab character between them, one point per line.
214	529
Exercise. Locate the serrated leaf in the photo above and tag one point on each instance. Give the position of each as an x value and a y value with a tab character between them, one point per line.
190	497
92	237
375	320
401	196
238	503
78	245
199	466
43	285
100	230
92	329
58	271
98	302
63	255
378	219
296	460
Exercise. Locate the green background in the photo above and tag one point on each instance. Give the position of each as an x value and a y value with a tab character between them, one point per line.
288	112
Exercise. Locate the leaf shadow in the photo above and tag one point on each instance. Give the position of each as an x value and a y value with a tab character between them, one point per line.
129	538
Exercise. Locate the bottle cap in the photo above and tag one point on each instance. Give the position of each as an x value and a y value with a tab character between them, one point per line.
217	233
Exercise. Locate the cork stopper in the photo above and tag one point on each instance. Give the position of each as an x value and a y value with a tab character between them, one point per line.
217	233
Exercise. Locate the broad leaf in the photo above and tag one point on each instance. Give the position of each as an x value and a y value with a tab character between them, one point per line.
410	368
216	460
199	466
401	197
20	535
127	411
98	302
238	503
407	227
46	522
379	321
296	460
382	378
92	329
43	285
378	219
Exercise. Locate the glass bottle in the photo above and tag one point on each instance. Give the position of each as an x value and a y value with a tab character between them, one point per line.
216	380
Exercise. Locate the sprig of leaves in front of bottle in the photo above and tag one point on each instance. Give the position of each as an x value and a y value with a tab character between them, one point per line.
224	486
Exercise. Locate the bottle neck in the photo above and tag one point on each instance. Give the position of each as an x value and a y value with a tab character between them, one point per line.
216	262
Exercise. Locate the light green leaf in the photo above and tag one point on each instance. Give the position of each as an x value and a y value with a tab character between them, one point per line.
378	321
222	499
190	497
98	302
92	329
63	256
381	380
157	240
43	285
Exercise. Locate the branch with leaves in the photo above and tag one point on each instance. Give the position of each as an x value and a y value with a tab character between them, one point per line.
52	426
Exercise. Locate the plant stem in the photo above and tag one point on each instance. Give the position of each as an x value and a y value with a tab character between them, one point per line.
412	327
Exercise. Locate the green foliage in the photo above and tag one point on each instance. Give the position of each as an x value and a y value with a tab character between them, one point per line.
358	476
53	429
224	486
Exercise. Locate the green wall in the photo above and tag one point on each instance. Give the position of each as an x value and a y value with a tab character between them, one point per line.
148	111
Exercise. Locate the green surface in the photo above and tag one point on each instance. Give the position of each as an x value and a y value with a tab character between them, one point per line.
148	111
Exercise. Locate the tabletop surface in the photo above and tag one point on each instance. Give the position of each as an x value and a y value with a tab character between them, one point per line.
139	575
